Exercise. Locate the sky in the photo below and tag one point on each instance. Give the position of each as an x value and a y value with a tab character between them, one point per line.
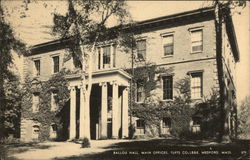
34	27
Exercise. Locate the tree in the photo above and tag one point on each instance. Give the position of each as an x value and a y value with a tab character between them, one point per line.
244	118
85	29
222	12
8	42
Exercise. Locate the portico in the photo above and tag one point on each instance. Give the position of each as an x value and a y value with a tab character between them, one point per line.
106	114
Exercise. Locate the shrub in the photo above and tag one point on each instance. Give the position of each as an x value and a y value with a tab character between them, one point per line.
85	143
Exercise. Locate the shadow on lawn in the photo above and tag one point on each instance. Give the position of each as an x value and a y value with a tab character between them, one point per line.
166	148
9	149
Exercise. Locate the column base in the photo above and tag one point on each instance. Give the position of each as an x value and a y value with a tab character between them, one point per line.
103	138
114	137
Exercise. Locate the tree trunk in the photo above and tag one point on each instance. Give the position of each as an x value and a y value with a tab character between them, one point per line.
223	135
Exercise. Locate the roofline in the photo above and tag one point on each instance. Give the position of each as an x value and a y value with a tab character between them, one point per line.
96	73
229	27
139	23
232	37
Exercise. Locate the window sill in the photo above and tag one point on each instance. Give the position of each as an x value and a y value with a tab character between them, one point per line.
196	99
167	56
167	100
139	102
197	52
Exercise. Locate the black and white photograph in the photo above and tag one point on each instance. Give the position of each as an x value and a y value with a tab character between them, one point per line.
124	80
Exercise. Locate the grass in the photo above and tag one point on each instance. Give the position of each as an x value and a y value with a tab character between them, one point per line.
176	149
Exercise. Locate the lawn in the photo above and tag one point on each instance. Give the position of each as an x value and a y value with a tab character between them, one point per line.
128	149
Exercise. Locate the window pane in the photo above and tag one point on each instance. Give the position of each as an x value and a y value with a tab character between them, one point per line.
196	35
141	49
166	122
56	64
168	49
140	92
168	39
168	87
37	67
106	57
196	41
196	85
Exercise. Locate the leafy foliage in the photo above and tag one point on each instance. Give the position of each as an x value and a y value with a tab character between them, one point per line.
45	116
244	118
85	143
12	112
180	110
8	43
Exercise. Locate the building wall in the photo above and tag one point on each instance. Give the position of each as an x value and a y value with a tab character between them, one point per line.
181	62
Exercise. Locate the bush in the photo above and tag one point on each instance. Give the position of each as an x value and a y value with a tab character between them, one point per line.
85	143
9	140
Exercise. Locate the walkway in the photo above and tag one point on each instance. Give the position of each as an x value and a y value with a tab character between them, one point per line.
52	150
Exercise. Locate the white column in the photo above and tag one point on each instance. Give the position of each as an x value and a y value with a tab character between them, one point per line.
72	129
101	58
115	110
82	120
125	113
111	56
104	111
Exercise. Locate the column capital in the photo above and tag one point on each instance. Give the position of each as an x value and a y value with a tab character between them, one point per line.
103	84
114	83
71	87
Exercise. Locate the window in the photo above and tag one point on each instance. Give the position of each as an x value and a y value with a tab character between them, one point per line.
35	102
141	49
196	85
106	57
37	67
167	87
54	104
196	41
196	127
168	45
35	131
166	125
53	131
140	126
140	94
56	64
166	122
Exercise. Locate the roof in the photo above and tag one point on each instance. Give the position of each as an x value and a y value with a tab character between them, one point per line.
154	22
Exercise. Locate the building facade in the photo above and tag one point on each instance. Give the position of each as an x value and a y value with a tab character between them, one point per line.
184	42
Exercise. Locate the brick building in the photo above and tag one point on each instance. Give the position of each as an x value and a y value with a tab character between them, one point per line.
185	42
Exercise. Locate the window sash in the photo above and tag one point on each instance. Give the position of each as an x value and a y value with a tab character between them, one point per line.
141	49
196	85
168	49
56	64
140	124
166	122
140	95
37	67
168	87
168	45
106	55
197	40
35	103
